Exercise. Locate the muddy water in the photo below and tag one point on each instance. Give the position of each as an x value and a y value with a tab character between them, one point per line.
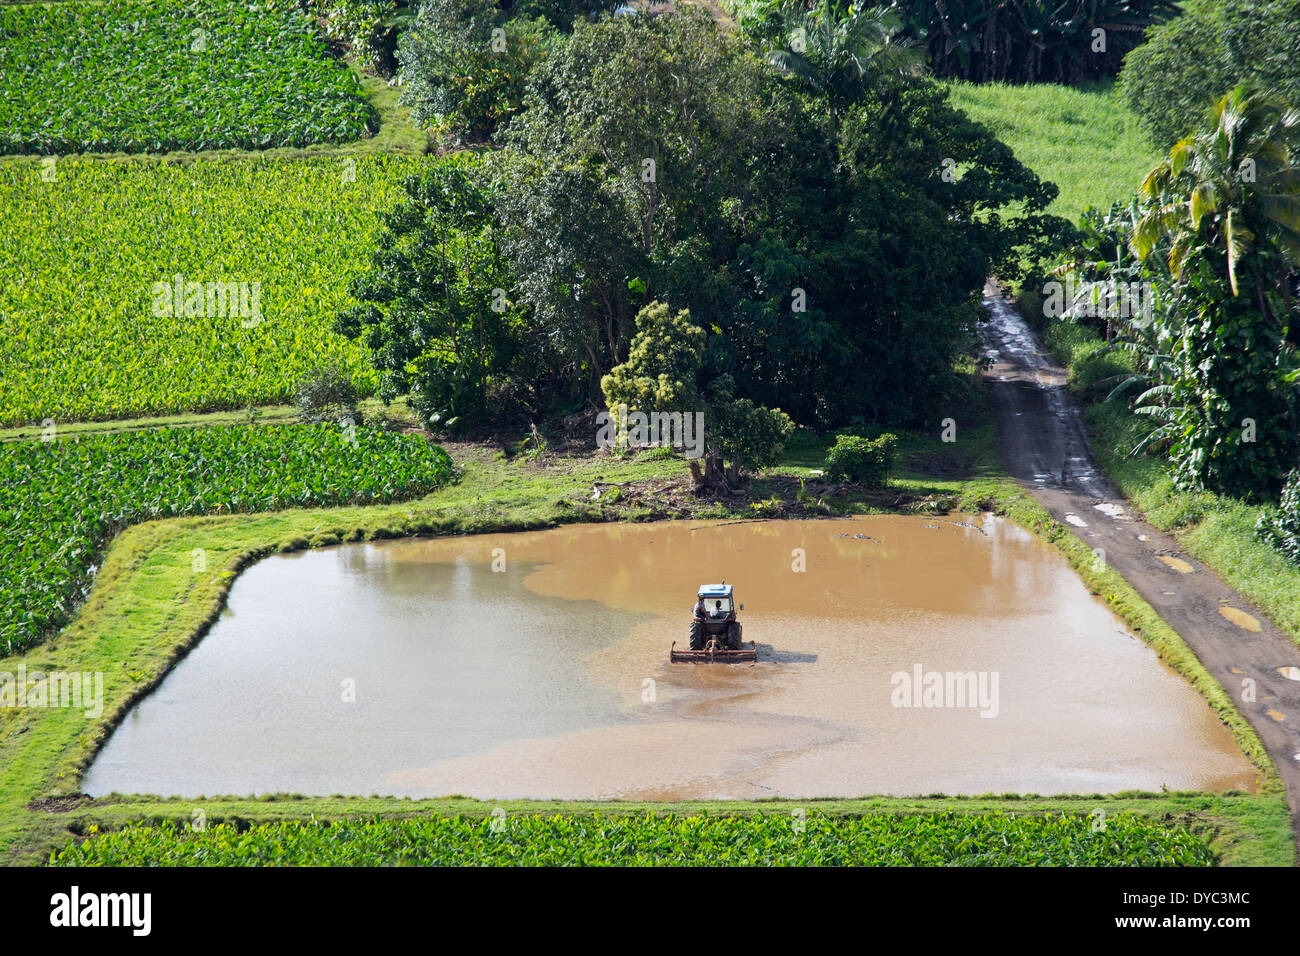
536	665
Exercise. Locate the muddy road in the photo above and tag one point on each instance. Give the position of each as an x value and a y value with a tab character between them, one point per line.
1044	444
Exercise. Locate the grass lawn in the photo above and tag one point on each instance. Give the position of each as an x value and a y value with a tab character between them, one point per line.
1084	139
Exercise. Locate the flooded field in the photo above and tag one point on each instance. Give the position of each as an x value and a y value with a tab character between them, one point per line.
897	655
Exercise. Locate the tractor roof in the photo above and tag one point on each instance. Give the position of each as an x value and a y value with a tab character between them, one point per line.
715	590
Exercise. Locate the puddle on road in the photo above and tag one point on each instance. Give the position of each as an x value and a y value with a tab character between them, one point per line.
1237	616
412	668
1177	564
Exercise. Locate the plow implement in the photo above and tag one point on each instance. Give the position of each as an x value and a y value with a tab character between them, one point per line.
713	653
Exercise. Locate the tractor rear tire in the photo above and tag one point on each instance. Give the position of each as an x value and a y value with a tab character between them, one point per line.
697	635
733	636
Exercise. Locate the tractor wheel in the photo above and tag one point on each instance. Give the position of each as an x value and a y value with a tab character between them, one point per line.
733	636
697	635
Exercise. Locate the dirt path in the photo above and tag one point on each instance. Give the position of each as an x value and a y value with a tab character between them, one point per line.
1041	434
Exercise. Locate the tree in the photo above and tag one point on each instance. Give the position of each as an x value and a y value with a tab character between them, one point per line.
1224	212
635	134
465	64
434	306
664	373
835	55
1172	80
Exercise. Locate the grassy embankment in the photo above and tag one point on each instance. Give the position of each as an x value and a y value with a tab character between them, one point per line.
148	606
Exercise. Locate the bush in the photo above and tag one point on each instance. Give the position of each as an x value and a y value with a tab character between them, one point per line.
1281	528
326	394
863	461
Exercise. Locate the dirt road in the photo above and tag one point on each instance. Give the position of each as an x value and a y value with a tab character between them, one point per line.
1044	444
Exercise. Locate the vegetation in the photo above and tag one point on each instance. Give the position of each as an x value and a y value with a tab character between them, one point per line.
82	253
1281	528
1215	233
1175	79
814	839
1083	139
863	461
435	306
1012	41
169	74
368	27
659	159
1218	529
664	373
465	64
63	501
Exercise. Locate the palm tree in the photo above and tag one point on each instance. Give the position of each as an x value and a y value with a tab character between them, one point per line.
1233	187
1223	212
836	57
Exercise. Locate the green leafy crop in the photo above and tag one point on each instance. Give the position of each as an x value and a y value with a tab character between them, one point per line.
935	839
82	254
62	501
168	75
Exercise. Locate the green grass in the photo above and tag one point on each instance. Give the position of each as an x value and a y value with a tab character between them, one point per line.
813	839
1084	139
81	257
170	74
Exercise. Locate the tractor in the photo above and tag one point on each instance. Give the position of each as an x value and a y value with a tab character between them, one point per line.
715	632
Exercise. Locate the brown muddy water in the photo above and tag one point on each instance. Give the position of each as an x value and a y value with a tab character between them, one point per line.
536	665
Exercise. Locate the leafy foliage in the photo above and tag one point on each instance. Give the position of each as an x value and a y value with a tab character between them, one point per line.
326	394
657	159
435	306
170	75
61	502
834	57
465	64
80	254
1031	41
1281	528
665	371
1223	213
863	461
1174	80
936	839
367	26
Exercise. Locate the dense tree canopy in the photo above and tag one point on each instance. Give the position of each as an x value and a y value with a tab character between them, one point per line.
834	267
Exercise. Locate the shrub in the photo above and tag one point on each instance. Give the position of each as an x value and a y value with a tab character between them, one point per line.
1280	528
864	461
326	394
